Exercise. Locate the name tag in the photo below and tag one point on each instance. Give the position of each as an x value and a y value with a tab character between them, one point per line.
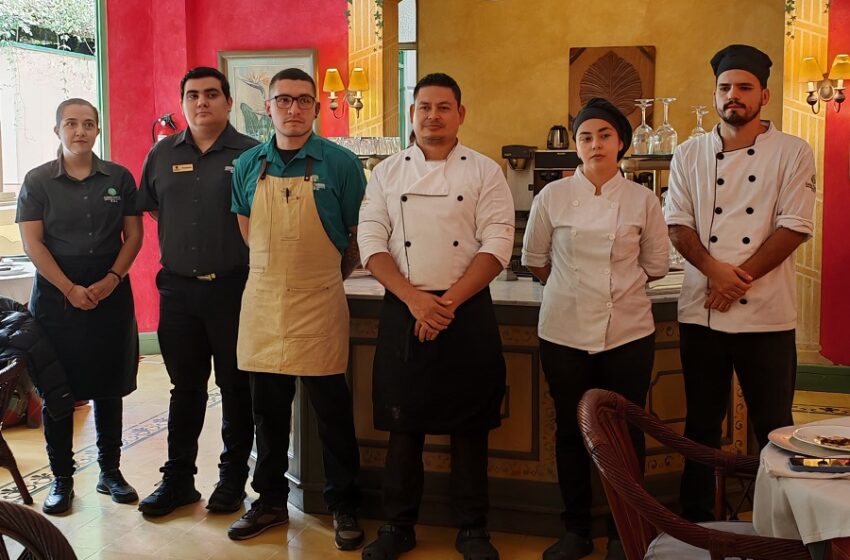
228	168
182	168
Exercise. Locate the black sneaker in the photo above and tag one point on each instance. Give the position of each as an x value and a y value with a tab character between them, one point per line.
168	496
256	520
475	544
59	498
571	546
228	496
347	532
113	484
391	542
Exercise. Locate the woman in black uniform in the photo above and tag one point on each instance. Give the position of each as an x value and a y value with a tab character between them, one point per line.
80	228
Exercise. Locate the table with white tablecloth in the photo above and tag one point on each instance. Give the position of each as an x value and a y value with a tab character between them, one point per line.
17	284
812	507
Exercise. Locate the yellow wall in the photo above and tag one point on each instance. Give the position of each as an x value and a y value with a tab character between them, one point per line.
511	57
810	39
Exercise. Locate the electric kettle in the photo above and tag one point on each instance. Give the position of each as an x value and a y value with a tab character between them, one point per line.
557	139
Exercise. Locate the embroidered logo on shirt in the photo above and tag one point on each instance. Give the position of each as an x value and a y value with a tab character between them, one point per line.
228	168
318	186
811	184
112	195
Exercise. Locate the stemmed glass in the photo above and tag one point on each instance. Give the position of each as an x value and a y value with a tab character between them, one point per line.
700	111
642	137
665	139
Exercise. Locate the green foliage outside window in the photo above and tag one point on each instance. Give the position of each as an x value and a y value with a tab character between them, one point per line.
67	25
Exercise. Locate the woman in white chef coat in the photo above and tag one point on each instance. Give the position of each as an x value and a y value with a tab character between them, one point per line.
594	240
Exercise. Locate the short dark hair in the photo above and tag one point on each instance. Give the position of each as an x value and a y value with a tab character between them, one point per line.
292	74
205	72
438	79
75	101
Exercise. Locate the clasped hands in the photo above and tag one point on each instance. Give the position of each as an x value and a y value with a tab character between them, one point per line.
87	298
729	283
433	314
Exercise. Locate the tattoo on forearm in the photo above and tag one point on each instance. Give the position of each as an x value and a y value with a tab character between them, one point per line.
350	258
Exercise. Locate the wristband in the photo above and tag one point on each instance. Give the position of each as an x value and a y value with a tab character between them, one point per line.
110	271
69	290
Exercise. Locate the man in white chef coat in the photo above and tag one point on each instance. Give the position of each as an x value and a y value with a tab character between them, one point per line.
436	227
740	202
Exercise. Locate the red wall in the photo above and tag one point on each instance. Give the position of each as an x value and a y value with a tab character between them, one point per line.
835	295
151	44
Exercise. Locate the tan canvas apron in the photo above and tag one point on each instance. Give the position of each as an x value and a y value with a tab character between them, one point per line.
294	317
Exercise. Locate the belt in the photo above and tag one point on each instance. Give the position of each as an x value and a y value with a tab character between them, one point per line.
239	271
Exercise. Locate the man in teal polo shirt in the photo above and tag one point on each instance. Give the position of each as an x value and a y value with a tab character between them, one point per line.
297	198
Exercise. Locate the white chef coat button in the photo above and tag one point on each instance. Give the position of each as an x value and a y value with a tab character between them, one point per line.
406	158
746	241
750	210
404	198
607	271
718	210
720	155
751	178
609	305
713	239
455	243
743	301
611	236
575	202
720	181
407	243
751	152
460	198
463	158
573	233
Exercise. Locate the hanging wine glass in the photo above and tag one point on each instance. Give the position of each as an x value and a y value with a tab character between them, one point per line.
700	111
642	136
665	136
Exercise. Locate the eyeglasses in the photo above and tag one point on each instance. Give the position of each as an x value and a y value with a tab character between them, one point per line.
285	101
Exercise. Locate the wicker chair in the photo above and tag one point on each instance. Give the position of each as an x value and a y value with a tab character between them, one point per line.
647	528
8	382
40	539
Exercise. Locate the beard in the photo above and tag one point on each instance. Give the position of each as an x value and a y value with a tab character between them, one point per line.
738	119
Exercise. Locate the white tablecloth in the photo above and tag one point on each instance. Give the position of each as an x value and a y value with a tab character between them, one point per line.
812	509
18	286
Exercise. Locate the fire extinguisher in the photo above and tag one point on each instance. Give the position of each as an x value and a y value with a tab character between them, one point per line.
162	127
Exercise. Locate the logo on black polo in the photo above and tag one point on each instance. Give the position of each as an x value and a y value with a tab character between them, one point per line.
112	195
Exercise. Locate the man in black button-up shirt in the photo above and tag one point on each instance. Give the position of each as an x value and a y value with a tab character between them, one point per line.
186	187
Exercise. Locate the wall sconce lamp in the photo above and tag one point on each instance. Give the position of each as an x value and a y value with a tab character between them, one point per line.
822	87
357	84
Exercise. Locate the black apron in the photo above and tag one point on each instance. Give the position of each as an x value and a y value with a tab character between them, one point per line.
99	349
453	384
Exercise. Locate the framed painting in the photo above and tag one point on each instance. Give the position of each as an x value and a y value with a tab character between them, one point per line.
249	73
619	74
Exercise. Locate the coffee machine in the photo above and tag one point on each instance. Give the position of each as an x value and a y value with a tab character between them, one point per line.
520	174
551	165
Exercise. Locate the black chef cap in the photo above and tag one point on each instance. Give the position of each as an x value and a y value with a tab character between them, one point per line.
742	57
599	108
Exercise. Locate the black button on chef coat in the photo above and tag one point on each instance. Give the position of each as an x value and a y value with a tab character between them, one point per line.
198	233
81	218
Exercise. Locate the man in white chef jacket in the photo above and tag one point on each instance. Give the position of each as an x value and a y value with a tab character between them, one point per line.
436	227
740	202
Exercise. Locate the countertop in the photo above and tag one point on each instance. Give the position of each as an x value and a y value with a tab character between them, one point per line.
522	292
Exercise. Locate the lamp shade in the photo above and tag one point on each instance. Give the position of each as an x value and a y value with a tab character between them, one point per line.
840	68
358	80
810	70
333	81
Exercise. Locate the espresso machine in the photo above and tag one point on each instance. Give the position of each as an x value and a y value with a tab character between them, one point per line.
520	174
551	165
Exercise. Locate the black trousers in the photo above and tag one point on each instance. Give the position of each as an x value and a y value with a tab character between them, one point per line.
330	397
59	435
766	365
570	372
404	479
199	322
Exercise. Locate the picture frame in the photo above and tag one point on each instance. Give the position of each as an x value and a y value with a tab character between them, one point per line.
249	73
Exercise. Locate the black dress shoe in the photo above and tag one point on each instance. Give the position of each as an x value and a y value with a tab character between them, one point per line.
59	498
475	544
392	541
572	546
168	496
113	483
348	535
228	496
